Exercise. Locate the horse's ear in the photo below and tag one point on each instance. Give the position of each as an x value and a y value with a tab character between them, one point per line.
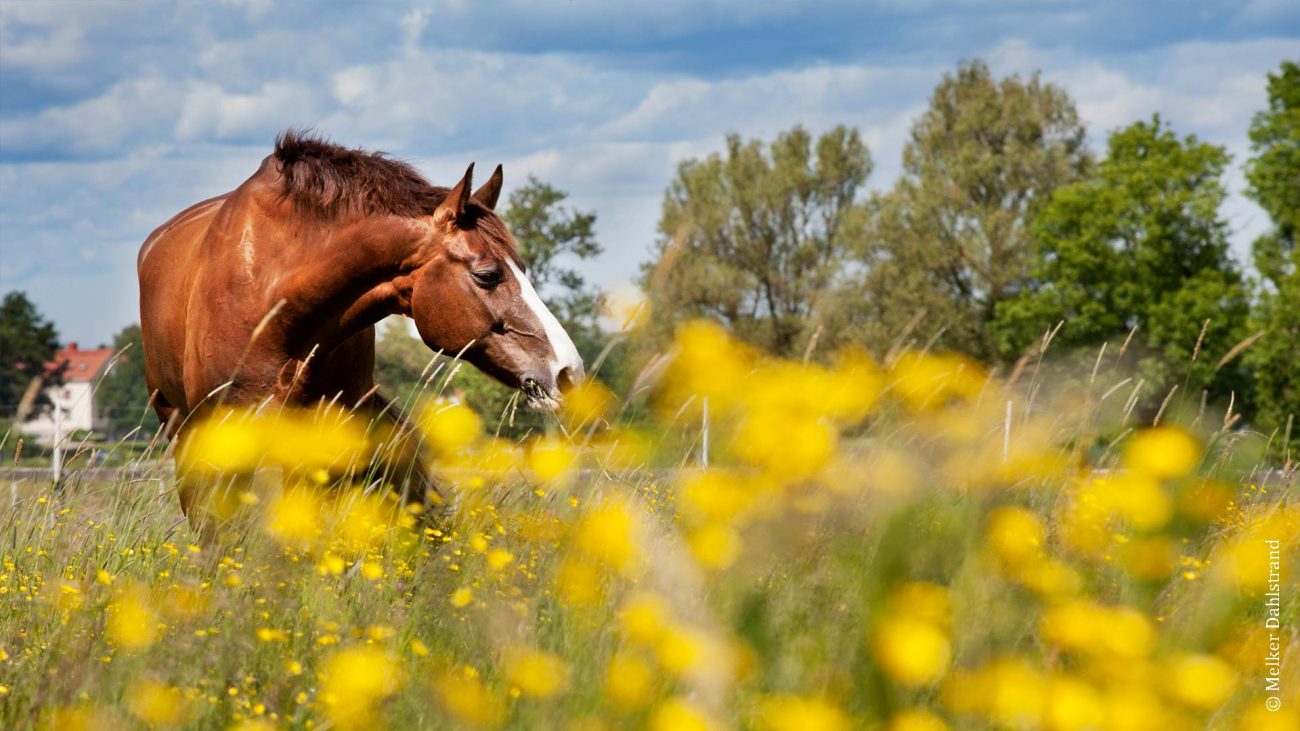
453	206
491	190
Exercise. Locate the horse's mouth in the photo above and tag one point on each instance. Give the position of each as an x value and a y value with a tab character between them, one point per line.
538	397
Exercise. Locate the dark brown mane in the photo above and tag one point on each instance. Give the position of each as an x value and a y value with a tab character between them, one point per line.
330	180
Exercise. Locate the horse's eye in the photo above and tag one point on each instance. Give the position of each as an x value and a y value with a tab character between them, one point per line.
487	278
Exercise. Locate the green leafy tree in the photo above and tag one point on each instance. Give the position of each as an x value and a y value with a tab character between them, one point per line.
753	236
1139	244
27	342
952	239
1274	177
123	395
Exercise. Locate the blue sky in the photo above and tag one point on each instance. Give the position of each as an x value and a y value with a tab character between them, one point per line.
116	114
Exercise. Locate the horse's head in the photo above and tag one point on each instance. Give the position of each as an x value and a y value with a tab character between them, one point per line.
472	296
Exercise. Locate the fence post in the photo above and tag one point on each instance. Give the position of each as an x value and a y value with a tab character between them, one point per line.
57	461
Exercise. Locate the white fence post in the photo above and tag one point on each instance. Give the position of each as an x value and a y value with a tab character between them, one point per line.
57	462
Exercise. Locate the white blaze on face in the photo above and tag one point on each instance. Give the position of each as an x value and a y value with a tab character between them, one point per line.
563	353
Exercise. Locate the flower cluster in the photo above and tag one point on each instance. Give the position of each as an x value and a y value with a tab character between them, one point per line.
909	544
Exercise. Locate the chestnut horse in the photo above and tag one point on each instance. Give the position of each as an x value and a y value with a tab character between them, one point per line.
272	290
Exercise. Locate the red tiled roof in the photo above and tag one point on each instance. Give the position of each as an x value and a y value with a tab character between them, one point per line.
82	365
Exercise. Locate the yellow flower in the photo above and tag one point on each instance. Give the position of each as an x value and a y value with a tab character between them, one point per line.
706	363
226	441
629	681
1141	501
1202	682
715	494
715	546
579	583
1016	535
676	714
293	517
910	651
1162	453
1072	705
461	597
549	459
587	403
498	558
462	694
644	618
132	621
449	428
797	713
606	534
536	674
155	704
922	600
354	680
1150	559
926	381
916	719
788	447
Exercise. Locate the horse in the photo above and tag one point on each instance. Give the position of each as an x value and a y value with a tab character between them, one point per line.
271	292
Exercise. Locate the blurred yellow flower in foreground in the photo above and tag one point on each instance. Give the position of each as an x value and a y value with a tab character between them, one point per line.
1202	682
535	673
916	719
462	694
1016	535
353	682
629	681
798	713
587	403
644	618
155	704
449	427
549	459
293	517
911	651
1162	453
132	622
608	535
676	714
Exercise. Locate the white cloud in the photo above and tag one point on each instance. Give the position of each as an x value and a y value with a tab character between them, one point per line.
192	115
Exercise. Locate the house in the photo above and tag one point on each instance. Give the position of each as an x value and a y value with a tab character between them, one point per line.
75	397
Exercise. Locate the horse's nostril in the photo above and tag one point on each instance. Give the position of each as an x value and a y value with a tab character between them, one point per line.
567	378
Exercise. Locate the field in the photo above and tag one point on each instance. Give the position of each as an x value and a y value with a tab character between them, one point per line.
910	545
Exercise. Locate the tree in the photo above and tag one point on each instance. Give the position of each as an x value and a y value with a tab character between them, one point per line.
1139	244
753	236
1274	177
952	239
123	395
27	342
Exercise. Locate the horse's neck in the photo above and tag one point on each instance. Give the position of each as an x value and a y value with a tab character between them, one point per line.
351	280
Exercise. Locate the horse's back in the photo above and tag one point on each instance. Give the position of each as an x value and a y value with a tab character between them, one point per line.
167	263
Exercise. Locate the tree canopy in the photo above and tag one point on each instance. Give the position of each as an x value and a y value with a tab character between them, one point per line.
27	341
752	236
1140	244
1274	177
952	239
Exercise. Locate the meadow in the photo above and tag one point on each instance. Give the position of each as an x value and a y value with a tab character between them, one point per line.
910	545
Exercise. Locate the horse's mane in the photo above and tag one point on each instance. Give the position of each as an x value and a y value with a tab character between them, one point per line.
330	180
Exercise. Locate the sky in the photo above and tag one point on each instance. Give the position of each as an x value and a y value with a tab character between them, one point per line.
116	114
